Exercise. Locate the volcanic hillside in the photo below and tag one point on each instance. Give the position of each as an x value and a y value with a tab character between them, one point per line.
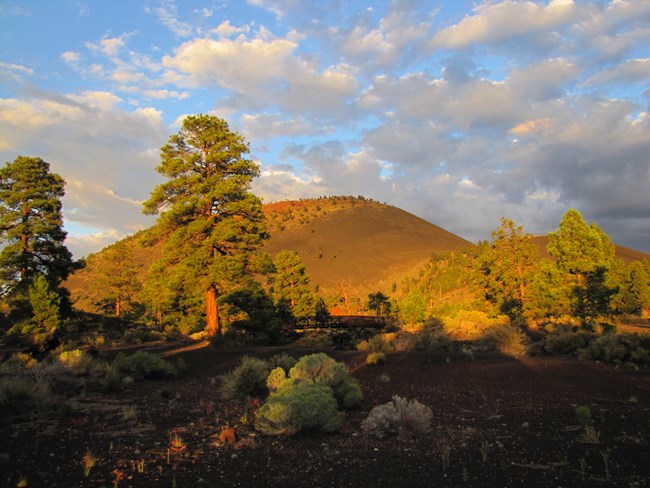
346	243
361	243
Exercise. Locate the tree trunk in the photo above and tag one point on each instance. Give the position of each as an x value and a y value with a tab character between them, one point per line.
213	326
118	308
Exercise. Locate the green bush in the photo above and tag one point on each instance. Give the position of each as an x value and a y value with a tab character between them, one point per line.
376	358
248	380
566	342
78	360
507	339
144	365
433	341
299	406
620	348
399	417
276	378
320	368
283	361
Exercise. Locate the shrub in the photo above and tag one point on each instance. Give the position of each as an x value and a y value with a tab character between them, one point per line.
143	365
507	339
470	325
276	377
283	361
20	393
299	406
583	415
433	341
399	417
316	340
320	368
621	348
76	359
248	380
376	358
566	342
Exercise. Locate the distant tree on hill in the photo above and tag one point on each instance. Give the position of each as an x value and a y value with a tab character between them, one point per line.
117	280
213	220
31	233
507	267
379	302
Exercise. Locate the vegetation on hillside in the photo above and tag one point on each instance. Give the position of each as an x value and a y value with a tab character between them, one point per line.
204	267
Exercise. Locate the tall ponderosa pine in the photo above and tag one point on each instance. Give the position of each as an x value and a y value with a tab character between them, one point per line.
508	265
583	256
212	218
31	225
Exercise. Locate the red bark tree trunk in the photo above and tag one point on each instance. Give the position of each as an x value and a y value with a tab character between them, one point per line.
213	326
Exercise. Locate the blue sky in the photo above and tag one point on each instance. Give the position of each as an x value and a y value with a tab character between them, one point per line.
459	112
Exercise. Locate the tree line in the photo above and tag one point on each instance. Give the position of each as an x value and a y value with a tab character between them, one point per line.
211	274
581	282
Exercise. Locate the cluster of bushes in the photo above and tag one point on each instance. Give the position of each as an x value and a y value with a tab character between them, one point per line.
306	395
625	348
425	340
27	384
438	336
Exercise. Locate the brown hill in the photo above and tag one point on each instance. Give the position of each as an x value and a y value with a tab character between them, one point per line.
345	242
353	242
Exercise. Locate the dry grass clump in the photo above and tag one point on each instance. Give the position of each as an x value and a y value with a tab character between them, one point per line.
471	325
507	339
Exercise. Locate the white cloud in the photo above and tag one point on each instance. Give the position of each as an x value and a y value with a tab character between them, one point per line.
167	14
628	72
71	57
495	22
14	72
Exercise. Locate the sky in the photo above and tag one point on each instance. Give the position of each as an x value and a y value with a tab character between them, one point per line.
459	112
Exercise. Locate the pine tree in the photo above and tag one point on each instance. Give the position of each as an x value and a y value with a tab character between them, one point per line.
31	233
291	283
212	219
117	279
583	256
508	265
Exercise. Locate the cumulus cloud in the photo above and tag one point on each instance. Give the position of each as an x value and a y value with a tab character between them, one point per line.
495	22
120	154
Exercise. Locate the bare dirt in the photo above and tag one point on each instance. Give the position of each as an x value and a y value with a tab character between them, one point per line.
498	421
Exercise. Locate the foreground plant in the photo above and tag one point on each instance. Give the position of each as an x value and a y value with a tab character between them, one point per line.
399	417
119	476
88	462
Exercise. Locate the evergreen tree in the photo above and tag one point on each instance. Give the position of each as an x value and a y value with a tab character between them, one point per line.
379	303
31	233
117	280
291	284
634	291
507	266
45	318
583	256
212	219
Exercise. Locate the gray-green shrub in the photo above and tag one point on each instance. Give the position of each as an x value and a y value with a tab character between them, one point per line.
566	342
299	406
144	365
399	417
248	380
320	368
